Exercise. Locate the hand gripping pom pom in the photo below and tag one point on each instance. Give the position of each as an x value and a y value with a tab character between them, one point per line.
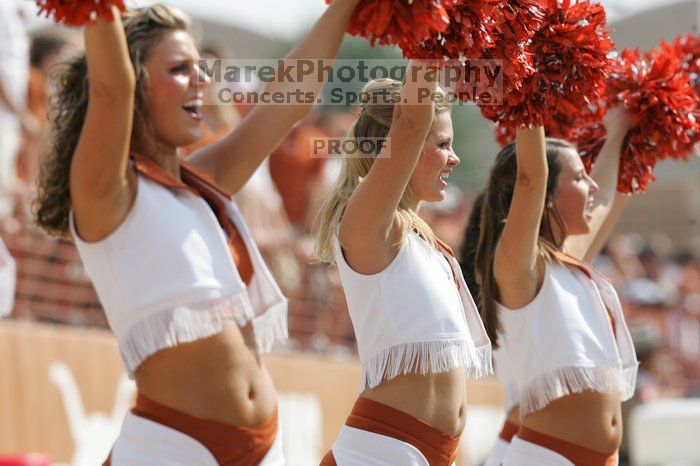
398	22
570	57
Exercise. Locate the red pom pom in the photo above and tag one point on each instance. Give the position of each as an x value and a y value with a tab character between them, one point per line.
567	126
636	167
78	12
494	30
571	63
660	98
687	49
473	26
398	22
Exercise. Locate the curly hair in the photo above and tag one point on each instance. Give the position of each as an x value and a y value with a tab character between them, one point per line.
144	28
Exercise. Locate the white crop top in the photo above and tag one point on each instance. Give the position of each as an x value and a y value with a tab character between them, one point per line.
166	276
417	315
563	342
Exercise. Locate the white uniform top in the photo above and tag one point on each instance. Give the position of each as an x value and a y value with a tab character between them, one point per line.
417	315
563	342
166	276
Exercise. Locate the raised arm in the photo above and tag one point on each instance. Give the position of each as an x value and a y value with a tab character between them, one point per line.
234	159
101	194
366	229
515	262
608	204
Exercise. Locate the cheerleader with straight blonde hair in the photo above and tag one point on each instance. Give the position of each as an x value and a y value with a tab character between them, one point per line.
417	327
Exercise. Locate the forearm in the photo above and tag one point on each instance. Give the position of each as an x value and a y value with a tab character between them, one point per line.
531	156
109	67
321	44
608	226
606	168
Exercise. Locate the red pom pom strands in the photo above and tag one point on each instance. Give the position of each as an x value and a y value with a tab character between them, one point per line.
398	22
659	96
78	12
687	49
474	25
567	126
570	53
493	30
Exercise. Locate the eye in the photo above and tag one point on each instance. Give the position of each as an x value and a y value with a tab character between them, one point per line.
445	144
181	68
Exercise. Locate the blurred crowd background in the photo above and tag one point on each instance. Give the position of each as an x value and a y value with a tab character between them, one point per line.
653	257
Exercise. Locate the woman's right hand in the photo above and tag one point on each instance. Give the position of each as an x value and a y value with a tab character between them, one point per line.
617	121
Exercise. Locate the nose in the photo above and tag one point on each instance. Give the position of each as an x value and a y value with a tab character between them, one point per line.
593	185
453	160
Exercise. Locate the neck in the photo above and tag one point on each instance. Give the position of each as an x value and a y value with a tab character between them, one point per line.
558	236
165	156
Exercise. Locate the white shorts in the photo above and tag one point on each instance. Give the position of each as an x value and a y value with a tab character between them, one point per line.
498	453
522	453
356	447
143	442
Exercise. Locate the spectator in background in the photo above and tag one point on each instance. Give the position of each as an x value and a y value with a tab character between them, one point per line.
295	169
47	48
14	115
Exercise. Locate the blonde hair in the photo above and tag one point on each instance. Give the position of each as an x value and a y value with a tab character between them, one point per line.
373	123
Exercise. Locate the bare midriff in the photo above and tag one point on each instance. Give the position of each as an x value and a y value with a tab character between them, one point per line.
438	399
220	378
589	419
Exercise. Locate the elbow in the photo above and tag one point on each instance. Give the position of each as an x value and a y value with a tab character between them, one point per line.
117	86
113	91
532	180
414	119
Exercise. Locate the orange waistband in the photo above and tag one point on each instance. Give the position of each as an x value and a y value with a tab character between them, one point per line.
508	431
580	456
438	448
230	445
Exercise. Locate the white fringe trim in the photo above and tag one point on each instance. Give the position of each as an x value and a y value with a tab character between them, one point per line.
271	327
570	380
423	357
183	324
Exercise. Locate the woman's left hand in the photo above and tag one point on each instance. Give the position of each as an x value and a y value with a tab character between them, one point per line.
617	121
